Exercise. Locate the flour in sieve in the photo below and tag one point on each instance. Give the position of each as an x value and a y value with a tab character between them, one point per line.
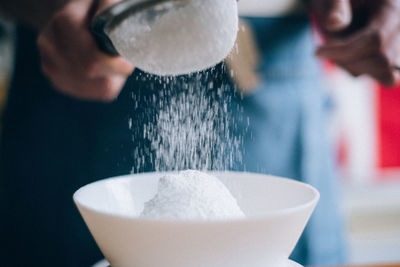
184	40
192	195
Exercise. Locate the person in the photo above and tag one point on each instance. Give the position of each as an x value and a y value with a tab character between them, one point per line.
64	125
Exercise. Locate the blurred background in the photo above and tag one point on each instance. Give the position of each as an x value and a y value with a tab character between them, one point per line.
366	130
365	126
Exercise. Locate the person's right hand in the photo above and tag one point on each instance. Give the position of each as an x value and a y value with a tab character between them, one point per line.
361	36
71	58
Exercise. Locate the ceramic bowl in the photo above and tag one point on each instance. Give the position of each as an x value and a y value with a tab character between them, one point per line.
277	210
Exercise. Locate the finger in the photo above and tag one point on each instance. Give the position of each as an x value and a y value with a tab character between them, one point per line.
360	45
119	66
96	63
375	66
63	28
333	15
82	52
49	58
101	89
339	15
108	88
103	65
365	56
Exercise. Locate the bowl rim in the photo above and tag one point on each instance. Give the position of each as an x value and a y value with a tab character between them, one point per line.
275	213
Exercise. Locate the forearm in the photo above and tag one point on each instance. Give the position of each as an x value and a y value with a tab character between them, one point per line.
33	13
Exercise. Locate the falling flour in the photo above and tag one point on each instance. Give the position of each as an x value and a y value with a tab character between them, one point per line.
192	195
183	40
188	124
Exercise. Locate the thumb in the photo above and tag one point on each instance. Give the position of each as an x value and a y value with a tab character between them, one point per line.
333	15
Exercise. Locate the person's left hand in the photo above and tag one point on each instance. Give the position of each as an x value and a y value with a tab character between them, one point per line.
71	59
362	36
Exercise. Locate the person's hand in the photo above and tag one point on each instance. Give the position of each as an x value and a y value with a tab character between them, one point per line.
71	58
361	36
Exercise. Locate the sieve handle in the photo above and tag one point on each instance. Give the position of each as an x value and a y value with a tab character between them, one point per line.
102	39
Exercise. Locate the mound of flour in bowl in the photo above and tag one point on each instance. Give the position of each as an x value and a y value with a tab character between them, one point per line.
192	195
183	40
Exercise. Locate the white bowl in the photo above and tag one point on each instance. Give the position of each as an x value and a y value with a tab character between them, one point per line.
277	211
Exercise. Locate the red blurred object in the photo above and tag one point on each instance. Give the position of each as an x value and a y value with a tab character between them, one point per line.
388	112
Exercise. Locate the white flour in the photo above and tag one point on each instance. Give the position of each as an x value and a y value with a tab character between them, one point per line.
192	195
184	40
193	129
